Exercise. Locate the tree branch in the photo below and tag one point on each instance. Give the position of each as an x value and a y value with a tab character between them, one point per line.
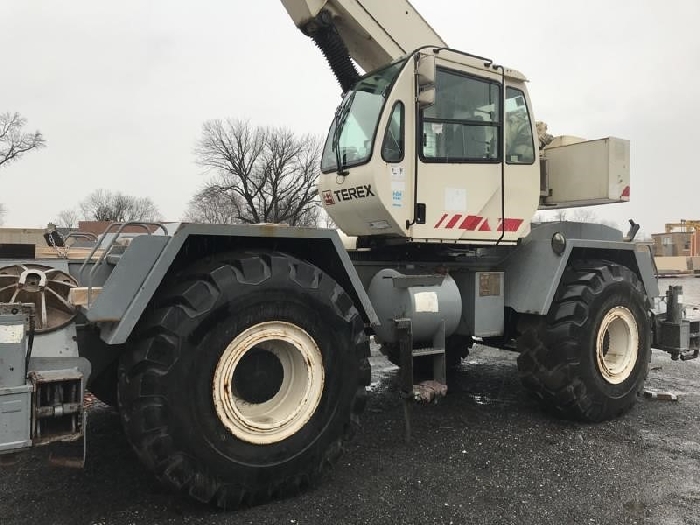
261	174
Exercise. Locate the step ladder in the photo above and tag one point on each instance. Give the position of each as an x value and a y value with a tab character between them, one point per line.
427	391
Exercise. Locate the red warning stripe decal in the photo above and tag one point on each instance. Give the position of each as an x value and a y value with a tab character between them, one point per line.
442	219
509	225
470	223
477	223
454	220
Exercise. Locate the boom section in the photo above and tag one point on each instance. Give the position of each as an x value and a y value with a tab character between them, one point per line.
373	33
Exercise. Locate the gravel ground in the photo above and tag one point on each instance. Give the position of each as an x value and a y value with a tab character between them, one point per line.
485	454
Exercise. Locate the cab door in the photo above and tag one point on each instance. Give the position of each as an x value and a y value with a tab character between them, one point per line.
459	168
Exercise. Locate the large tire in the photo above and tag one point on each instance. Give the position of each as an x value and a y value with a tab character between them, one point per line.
456	348
589	357
191	397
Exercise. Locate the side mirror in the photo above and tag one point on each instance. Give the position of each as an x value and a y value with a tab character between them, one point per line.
426	96
425	80
425	70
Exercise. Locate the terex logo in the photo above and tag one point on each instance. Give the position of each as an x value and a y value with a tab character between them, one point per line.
347	194
360	192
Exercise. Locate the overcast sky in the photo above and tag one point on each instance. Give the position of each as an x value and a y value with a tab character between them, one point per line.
120	89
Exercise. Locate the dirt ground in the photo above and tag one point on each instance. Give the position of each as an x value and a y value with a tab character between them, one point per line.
486	454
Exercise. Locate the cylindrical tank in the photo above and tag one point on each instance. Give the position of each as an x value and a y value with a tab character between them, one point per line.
427	306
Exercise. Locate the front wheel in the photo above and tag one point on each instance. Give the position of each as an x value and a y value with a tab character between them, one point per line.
589	357
245	378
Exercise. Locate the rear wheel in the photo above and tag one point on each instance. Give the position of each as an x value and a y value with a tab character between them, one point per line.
245	378
589	357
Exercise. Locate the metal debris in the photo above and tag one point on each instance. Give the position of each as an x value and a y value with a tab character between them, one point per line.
661	396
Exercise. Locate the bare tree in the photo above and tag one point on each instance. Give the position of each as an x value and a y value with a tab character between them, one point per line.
68	219
324	220
584	215
588	215
561	215
104	205
14	142
572	214
260	175
210	206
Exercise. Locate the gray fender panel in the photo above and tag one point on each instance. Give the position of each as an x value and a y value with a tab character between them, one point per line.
533	272
313	242
127	278
646	270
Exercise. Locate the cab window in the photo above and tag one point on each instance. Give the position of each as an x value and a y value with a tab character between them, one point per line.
520	146
463	125
393	146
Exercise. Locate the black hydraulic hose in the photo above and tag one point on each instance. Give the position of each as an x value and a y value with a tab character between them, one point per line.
326	37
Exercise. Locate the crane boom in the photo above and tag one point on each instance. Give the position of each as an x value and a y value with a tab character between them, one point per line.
373	33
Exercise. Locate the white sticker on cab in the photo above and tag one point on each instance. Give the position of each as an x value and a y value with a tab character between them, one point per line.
398	173
397	191
455	199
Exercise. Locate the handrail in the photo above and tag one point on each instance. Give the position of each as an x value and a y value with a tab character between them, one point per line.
103	256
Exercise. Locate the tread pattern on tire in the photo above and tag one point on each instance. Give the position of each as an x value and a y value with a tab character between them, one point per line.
550	355
155	348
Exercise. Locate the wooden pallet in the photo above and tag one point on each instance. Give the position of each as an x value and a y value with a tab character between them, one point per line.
73	254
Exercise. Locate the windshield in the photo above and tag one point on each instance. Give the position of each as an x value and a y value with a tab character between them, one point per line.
352	133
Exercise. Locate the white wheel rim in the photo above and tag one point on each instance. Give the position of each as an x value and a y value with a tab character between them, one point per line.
299	394
617	345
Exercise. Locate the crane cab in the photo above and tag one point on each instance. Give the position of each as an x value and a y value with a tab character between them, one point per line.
438	146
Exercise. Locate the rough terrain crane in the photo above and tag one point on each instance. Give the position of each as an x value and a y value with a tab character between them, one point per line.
237	356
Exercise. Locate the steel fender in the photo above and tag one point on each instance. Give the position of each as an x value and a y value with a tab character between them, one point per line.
320	247
534	270
647	273
126	280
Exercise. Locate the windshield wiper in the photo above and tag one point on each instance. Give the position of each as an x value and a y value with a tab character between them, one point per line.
340	117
